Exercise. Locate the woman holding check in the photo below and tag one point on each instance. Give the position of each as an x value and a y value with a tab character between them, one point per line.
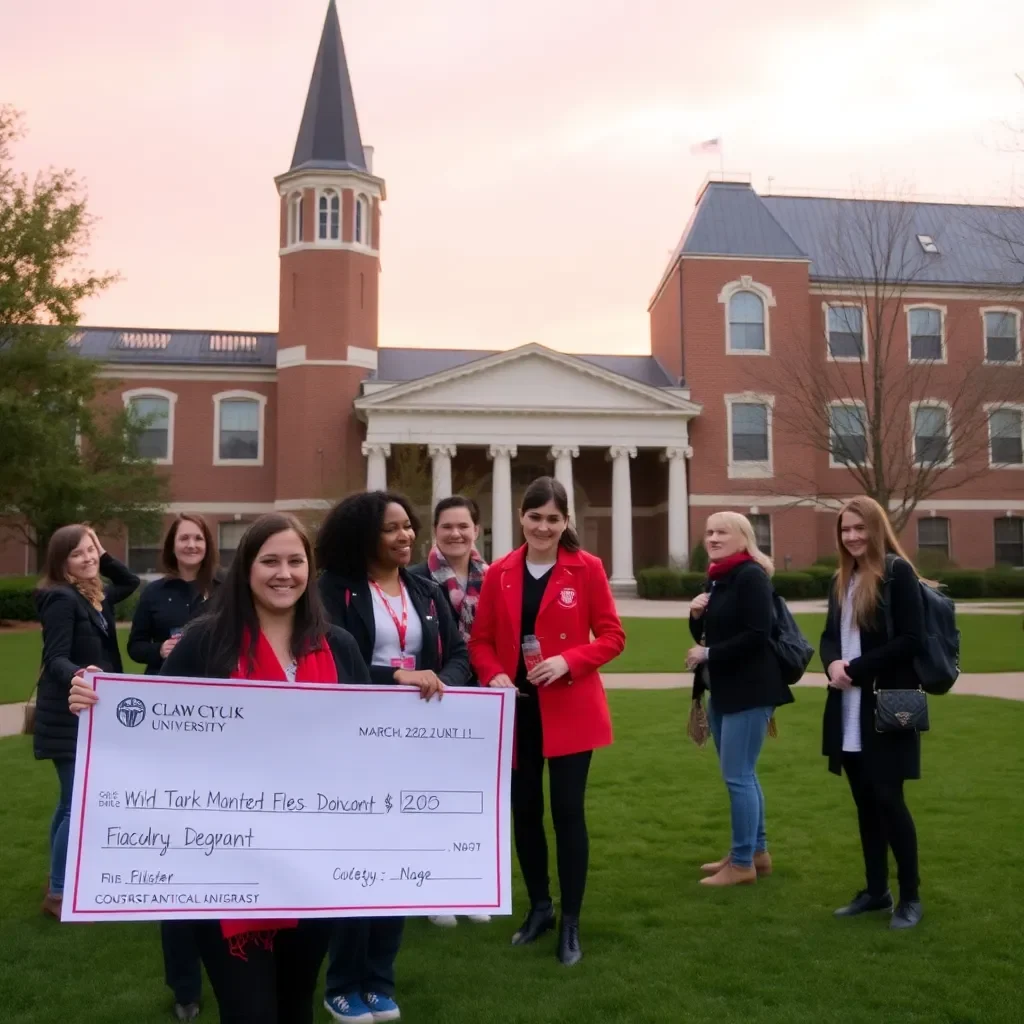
268	624
538	609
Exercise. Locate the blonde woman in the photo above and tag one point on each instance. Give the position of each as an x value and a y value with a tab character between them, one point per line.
860	653
732	624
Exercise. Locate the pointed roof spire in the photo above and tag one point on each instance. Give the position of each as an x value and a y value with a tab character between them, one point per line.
329	132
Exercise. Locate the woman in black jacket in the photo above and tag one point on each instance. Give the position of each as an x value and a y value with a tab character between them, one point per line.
732	622
79	628
860	655
406	633
189	559
267	623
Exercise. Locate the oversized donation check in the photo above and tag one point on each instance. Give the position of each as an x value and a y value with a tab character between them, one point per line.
239	799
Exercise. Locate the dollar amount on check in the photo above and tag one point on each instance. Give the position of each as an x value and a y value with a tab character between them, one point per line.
213	799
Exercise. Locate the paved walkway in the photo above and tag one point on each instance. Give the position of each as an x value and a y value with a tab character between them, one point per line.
638	608
1009	685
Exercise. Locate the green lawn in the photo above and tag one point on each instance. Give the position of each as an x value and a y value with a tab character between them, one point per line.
659	948
991	643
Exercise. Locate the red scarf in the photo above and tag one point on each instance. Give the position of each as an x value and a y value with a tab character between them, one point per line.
727	564
314	667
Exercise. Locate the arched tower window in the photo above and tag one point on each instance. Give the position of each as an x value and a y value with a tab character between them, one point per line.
329	216
295	218
362	231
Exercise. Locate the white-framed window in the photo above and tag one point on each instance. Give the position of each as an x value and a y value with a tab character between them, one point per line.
1001	329
848	434
229	536
749	419
144	552
329	215
844	328
762	524
1006	436
295	206
362	220
931	430
154	408
933	535
747	305
238	422
926	334
1009	541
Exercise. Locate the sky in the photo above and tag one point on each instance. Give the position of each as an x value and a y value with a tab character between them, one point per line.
537	154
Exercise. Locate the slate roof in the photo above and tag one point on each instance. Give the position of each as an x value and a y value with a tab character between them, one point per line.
329	131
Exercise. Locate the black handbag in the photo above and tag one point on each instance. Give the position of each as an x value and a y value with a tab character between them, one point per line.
901	710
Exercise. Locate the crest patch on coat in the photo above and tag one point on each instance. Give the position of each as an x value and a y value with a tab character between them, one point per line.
567	598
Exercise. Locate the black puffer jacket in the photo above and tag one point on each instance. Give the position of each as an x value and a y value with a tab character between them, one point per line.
75	636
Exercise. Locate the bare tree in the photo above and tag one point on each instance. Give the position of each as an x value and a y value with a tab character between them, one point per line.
892	396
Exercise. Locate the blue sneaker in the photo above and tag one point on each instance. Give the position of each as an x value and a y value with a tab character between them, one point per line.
382	1007
350	1009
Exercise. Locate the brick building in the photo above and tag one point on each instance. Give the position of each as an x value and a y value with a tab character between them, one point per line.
246	423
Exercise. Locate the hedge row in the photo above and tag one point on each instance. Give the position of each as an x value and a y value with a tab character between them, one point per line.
660	584
16	604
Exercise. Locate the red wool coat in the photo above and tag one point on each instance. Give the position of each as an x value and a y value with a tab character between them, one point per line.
578	620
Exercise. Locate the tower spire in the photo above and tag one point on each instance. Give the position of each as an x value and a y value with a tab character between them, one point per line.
329	133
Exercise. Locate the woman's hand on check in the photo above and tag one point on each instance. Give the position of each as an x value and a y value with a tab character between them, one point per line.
428	682
82	696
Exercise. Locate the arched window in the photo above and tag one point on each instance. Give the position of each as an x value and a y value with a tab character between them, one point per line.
329	216
152	412
295	218
362	232
746	322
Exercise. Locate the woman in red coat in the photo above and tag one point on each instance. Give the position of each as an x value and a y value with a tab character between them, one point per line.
538	609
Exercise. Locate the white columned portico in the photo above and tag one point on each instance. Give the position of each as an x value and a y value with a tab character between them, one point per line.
377	456
501	497
622	579
441	456
678	507
563	456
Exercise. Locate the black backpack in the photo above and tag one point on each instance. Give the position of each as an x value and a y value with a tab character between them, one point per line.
793	652
938	666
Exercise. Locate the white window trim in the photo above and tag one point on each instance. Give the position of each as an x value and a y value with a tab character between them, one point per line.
325	192
767	297
991	407
366	242
942	332
172	401
826	306
1016	314
932	403
294	220
949	533
846	403
750	470
261	436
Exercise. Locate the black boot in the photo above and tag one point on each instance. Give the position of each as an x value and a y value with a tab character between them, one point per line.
569	951
540	919
864	903
906	915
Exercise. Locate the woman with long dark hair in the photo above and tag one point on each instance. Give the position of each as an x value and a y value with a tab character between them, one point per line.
861	654
545	624
188	557
407	635
267	623
79	628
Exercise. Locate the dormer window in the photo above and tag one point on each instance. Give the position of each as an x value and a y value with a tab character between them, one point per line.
927	243
329	216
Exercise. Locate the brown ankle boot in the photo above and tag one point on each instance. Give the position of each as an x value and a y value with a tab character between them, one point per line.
731	875
714	866
763	863
52	904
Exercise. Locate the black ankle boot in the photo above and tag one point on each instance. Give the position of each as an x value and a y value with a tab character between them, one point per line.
540	919
569	951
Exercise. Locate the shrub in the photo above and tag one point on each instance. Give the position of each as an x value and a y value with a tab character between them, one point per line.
827	562
699	559
1004	583
796	586
16	602
963	583
933	563
663	584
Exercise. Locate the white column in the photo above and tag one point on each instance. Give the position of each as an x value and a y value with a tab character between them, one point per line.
441	456
678	507
501	498
563	456
622	579
376	465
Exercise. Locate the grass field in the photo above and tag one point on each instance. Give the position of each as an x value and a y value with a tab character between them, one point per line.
660	949
991	643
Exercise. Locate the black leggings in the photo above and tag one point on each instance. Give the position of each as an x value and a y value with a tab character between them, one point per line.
568	782
270	986
885	823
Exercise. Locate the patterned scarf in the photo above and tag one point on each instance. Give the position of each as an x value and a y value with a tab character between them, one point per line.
463	601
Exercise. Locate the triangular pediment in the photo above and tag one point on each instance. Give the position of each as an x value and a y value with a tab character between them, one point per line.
528	378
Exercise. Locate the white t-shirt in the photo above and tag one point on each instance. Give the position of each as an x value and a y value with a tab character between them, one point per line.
386	648
538	569
849	636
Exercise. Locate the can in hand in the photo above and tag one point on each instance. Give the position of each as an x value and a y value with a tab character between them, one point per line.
532	655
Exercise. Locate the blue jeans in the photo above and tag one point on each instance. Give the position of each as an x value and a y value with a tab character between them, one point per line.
738	739
59	826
